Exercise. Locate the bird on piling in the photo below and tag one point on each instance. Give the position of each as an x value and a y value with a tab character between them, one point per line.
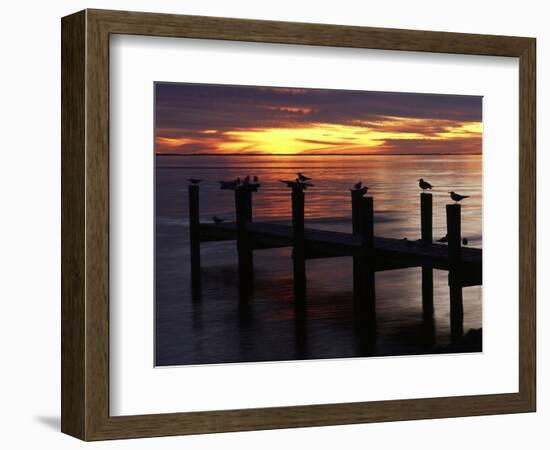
358	185
464	241
246	180
361	190
217	219
304	185
443	239
297	184
457	197
302	177
255	184
194	180
290	183
424	184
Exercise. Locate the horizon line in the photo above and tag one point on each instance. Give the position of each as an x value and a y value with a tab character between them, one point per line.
319	154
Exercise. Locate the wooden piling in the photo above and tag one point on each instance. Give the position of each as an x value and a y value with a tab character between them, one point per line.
356	197
298	243
243	210
364	276
426	235
194	237
455	287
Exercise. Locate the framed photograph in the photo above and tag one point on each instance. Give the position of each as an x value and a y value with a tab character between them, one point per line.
270	224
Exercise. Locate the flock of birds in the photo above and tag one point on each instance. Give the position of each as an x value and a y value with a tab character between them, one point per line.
302	182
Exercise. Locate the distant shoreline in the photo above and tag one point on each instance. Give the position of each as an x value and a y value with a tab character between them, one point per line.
317	154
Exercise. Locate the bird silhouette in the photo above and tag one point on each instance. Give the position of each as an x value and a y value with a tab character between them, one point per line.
217	219
194	180
443	239
464	241
290	183
246	180
297	184
361	191
457	197
358	185
424	184
255	179
302	177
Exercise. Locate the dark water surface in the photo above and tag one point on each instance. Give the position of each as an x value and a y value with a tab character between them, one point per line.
218	329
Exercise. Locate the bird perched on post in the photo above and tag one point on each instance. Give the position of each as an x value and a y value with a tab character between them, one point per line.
297	184
217	219
302	177
424	184
290	183
361	190
194	180
457	197
443	239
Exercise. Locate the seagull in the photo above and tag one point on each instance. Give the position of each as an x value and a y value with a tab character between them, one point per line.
194	180
443	239
457	197
255	179
424	184
358	185
246	180
302	177
290	183
464	241
362	191
297	184
217	219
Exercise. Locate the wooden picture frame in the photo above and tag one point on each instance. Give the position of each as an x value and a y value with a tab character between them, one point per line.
85	224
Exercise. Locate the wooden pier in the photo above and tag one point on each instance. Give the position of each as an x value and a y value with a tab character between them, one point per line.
370	253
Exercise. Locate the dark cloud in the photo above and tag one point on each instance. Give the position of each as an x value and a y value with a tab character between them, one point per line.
198	107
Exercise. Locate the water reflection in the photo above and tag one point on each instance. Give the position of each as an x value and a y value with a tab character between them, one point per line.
221	323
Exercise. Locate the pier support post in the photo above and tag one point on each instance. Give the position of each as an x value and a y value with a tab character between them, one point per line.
298	250
194	237
455	287
364	273
426	235
356	202
243	208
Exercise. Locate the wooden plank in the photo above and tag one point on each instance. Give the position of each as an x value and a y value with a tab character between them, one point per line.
73	226
400	253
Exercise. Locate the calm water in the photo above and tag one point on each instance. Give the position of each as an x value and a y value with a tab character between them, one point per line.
216	329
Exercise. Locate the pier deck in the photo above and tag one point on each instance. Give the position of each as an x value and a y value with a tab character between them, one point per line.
389	253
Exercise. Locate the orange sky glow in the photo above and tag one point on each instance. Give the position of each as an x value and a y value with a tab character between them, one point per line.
290	122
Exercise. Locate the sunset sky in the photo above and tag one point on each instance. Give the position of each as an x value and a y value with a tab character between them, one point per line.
199	119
